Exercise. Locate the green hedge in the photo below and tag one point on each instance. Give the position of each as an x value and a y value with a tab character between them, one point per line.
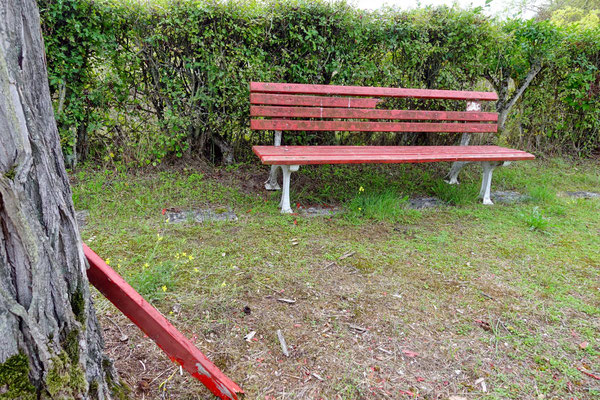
143	83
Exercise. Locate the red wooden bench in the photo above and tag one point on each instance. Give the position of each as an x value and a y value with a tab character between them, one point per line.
301	107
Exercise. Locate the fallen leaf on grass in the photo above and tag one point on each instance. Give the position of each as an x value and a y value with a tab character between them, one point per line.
481	381
249	336
583	345
484	325
407	392
409	353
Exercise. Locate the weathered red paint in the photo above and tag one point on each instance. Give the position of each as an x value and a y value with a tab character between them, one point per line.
361	113
334	90
301	155
316	101
152	323
361	126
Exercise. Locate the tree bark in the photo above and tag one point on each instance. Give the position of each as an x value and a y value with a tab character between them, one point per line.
46	315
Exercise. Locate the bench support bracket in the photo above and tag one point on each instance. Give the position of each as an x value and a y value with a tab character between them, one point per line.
464	141
458	165
285	193
271	183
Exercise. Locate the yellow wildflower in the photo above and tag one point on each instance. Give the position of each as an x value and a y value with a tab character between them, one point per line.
164	288
146	265
191	257
107	261
361	189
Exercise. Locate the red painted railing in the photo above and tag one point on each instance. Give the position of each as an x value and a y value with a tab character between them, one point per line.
152	323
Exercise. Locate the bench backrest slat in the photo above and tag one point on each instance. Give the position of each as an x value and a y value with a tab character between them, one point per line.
361	126
314	101
301	107
335	90
361	113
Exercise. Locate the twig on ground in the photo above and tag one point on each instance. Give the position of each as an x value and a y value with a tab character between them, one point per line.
350	254
487	296
159	375
282	342
123	337
288	301
318	377
588	373
357	328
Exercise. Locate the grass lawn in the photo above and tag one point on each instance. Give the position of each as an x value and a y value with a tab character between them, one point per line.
486	302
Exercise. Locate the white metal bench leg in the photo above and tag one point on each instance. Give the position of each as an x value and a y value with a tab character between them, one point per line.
285	193
271	183
486	183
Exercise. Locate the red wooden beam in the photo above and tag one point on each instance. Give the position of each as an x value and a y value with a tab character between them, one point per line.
334	90
300	155
360	126
315	101
362	113
152	323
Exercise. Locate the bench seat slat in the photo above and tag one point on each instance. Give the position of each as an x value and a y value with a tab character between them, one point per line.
315	101
361	126
361	113
335	90
302	155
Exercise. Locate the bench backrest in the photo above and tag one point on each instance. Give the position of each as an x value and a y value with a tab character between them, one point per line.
302	107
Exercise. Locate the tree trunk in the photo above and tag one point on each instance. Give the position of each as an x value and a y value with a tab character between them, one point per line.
47	322
506	101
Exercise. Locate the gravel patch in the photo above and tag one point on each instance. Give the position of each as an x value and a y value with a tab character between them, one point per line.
207	215
583	195
419	203
509	197
319	211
